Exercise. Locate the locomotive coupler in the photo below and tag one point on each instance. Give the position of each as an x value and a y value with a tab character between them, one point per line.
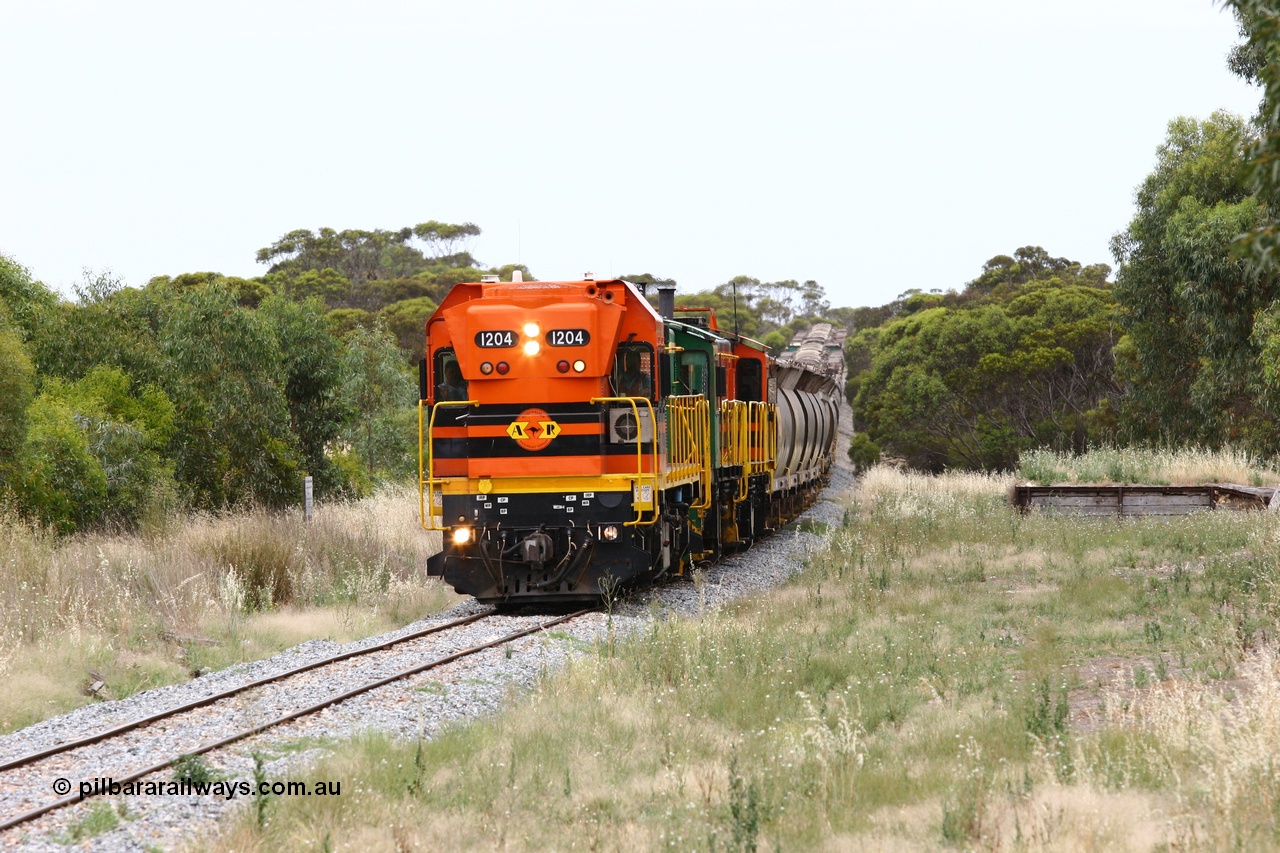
577	559
536	549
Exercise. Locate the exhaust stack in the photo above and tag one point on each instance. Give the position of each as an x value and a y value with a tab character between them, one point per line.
667	300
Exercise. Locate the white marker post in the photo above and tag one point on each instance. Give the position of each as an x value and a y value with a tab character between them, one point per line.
307	503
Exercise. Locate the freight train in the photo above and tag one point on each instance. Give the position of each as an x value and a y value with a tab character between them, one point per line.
574	441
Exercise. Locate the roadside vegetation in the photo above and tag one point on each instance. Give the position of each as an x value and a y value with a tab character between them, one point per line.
93	616
1152	466
945	672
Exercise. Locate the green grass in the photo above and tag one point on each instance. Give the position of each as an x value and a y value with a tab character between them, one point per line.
102	817
946	672
433	687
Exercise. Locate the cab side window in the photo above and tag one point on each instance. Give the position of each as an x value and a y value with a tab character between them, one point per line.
693	374
749	385
448	377
632	374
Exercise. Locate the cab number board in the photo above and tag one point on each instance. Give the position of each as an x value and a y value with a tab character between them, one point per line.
568	337
496	339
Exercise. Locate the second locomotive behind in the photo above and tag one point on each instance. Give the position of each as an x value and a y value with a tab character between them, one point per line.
573	440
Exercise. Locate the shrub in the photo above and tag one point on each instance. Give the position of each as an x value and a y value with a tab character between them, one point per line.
863	452
62	484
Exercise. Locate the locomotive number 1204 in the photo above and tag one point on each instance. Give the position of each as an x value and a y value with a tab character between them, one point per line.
496	339
568	337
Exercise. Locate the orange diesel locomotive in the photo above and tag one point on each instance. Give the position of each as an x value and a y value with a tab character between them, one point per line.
574	441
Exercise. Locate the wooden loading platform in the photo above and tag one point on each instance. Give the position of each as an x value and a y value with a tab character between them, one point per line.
1129	500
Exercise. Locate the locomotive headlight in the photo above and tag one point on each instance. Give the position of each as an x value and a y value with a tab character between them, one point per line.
486	368
531	347
461	535
531	330
609	533
579	366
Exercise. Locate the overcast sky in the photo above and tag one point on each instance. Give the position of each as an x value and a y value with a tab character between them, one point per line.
873	147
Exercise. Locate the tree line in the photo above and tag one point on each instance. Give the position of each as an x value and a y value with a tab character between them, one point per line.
1020	357
1183	347
204	391
201	391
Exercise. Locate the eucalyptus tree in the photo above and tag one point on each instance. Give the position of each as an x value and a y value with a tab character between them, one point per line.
17	388
1190	359
380	389
972	382
232	441
358	257
1257	60
312	377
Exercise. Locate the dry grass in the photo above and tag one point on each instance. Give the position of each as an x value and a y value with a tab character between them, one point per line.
1214	747
893	488
139	611
928	682
1154	466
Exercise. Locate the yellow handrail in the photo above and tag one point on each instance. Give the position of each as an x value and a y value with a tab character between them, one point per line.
735	441
689	442
762	457
426	457
639	477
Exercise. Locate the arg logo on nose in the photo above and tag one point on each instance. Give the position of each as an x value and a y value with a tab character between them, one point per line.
533	429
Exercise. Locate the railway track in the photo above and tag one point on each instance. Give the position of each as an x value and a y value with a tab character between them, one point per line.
57	761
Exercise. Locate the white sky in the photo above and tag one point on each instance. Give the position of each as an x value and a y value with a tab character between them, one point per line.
874	147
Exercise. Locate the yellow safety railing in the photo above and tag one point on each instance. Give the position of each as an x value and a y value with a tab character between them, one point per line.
735	441
762	440
427	480
689	443
640	481
733	433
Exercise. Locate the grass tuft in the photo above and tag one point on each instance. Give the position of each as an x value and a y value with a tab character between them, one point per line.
102	817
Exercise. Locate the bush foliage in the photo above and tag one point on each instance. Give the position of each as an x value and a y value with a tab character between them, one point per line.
209	391
1020	358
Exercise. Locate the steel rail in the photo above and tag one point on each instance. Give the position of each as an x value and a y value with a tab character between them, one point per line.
31	815
24	760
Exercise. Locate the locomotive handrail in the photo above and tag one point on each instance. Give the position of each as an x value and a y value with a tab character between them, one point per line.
639	520
735	438
426	451
763	455
689	436
705	411
731	432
